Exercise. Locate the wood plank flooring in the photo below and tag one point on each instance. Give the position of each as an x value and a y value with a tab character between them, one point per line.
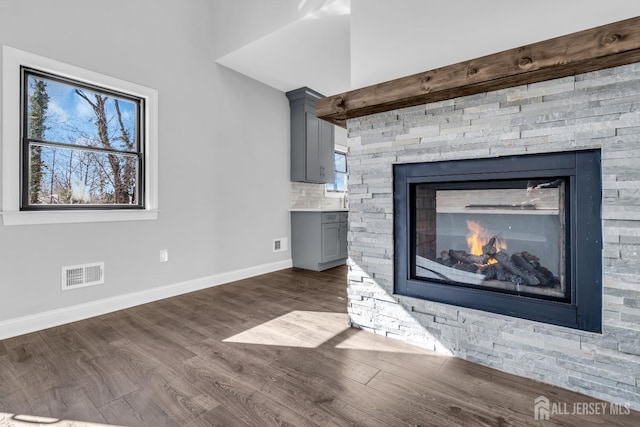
267	351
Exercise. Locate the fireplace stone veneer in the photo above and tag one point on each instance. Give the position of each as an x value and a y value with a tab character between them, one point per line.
598	110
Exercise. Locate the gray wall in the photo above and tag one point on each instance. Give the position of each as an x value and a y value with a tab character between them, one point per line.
390	39
223	149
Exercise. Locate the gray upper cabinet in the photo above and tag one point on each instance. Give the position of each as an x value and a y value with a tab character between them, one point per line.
312	139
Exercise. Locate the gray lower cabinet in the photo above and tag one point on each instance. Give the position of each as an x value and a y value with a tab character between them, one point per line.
318	239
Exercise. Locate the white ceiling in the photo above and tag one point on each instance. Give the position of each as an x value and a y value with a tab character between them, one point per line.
312	51
346	44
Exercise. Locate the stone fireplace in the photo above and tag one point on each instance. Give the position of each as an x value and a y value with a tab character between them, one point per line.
597	112
514	235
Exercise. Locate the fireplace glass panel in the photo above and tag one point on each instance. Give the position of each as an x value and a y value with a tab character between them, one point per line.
502	236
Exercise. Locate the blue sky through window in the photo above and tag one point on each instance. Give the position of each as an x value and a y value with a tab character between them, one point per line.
70	118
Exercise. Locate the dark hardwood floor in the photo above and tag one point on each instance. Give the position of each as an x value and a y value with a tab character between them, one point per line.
270	350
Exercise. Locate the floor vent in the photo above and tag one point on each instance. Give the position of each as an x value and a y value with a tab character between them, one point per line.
79	276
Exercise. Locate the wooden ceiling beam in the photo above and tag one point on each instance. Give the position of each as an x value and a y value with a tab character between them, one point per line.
594	49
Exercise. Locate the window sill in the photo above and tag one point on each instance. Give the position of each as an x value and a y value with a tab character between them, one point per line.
72	217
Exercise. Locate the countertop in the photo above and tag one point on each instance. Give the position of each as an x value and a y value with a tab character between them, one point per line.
319	210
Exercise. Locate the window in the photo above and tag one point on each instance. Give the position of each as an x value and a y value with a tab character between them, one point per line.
77	146
81	145
340	168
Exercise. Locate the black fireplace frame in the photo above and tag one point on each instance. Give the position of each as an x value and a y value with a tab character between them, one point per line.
583	242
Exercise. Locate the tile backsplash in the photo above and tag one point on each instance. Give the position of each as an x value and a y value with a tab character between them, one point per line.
312	196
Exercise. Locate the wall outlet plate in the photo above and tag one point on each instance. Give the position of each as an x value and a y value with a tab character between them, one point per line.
164	255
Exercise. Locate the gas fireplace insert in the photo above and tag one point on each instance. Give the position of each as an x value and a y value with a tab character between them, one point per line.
516	235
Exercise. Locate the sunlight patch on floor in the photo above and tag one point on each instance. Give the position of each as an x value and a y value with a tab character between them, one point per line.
20	420
306	329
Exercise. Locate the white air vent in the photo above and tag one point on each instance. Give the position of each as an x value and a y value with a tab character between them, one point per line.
281	244
79	276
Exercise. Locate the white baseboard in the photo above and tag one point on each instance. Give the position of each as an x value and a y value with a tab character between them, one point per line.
35	322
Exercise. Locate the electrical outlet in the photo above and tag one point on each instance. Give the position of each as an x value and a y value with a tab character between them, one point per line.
280	244
164	255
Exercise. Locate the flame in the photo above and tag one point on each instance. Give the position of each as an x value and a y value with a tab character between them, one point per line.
479	236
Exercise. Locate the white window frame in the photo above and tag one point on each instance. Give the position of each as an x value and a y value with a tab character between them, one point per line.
12	60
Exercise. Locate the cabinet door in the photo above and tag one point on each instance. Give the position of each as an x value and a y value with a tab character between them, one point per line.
331	242
313	148
320	146
343	239
298	147
326	152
